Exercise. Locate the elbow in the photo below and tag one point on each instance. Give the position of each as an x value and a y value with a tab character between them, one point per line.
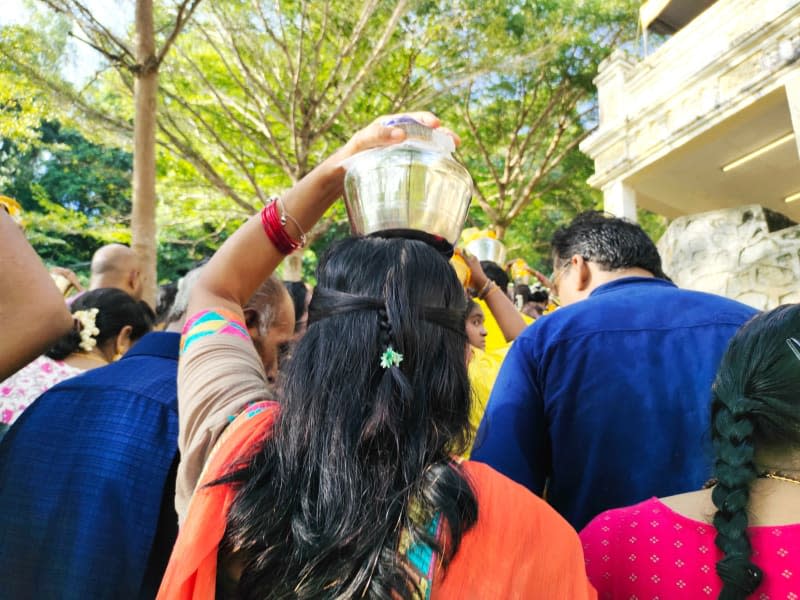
57	317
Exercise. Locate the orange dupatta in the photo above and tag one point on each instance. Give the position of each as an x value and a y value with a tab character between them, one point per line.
520	548
192	570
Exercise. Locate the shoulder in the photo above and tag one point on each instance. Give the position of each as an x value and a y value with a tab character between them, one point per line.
501	499
519	548
605	527
134	378
242	437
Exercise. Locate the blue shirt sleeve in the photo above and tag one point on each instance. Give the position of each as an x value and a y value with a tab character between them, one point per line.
512	437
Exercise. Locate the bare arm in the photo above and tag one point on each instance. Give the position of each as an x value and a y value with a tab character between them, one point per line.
32	310
505	313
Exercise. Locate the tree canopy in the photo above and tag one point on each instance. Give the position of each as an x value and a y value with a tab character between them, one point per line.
254	93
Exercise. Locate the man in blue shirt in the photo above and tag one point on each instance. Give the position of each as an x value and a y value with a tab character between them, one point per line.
605	402
88	472
87	477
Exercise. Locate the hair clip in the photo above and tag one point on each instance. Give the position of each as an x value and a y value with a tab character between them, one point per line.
794	346
390	358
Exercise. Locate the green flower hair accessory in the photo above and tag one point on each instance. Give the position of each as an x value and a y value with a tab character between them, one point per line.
390	358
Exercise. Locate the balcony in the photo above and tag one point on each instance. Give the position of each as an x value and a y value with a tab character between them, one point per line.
709	120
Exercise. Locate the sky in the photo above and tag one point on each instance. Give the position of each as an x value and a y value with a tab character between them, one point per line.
116	14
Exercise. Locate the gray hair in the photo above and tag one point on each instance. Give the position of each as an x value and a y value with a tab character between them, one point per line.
265	300
181	302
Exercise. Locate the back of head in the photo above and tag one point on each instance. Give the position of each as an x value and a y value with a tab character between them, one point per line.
115	310
496	273
364	433
611	242
408	282
165	298
298	292
522	292
177	312
117	266
265	303
755	414
471	306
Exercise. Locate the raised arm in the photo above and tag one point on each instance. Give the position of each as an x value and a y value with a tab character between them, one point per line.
505	313
32	310
221	374
248	257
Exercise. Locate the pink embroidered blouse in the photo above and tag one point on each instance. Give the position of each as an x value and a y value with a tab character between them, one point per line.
23	387
647	552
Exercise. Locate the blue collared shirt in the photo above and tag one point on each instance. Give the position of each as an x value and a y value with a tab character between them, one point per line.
82	479
607	400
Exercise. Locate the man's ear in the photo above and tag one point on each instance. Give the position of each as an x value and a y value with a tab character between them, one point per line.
252	320
584	272
134	279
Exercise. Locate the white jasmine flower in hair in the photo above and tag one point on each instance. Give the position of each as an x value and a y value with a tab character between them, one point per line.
88	328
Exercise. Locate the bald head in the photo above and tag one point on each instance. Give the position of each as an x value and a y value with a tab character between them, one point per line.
116	266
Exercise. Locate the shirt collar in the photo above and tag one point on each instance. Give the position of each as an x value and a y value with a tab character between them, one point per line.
629	281
165	344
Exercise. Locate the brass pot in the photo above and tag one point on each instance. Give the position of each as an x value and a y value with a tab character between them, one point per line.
487	248
413	189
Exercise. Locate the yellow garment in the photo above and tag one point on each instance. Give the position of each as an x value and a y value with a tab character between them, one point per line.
483	370
495	339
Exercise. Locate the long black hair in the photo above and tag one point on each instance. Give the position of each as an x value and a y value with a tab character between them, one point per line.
360	452
115	310
754	407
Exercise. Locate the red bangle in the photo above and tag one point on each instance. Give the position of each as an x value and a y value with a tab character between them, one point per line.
276	232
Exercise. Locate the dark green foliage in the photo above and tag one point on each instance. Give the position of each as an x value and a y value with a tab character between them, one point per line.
76	196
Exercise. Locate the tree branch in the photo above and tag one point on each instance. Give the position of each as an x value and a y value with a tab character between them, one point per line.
186	150
346	52
366	68
225	102
181	18
487	157
84	18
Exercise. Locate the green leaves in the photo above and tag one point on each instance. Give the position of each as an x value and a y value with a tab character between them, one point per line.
255	93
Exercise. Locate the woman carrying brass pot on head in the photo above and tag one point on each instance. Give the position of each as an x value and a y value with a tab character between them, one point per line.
346	487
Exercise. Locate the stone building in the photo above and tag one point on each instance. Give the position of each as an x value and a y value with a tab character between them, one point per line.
706	131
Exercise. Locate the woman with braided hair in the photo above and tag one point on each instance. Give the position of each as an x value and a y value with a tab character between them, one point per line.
741	537
347	487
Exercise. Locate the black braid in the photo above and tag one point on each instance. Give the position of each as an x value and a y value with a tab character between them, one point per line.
385	328
735	471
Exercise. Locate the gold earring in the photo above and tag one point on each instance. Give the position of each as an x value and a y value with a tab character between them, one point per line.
116	357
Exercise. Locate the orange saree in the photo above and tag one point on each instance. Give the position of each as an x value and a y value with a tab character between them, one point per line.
519	547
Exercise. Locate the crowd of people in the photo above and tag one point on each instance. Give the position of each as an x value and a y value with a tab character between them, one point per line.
393	433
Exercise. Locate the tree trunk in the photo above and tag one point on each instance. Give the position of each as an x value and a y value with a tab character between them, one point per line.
143	214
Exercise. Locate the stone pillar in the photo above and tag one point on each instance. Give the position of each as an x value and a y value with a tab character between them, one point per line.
611	77
620	199
793	98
